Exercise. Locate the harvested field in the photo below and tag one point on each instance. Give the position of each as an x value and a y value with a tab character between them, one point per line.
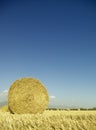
49	120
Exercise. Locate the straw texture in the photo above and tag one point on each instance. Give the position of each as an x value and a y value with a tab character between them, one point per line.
27	95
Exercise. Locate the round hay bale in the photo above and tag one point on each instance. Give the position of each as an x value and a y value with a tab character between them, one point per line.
27	95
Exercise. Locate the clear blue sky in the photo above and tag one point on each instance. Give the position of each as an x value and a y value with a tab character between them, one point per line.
53	41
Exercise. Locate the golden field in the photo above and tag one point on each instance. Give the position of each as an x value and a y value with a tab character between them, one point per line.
49	120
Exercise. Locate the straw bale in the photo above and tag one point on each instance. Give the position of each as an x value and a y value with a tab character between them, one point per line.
27	95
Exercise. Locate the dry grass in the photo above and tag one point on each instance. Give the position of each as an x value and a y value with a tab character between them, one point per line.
49	120
4	108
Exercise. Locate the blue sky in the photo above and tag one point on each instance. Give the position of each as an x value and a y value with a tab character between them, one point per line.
53	41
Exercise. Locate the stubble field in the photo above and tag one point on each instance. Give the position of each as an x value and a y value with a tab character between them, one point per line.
49	120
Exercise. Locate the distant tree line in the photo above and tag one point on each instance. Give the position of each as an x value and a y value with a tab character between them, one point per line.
94	108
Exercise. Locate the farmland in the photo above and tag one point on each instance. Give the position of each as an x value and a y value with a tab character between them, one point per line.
49	120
